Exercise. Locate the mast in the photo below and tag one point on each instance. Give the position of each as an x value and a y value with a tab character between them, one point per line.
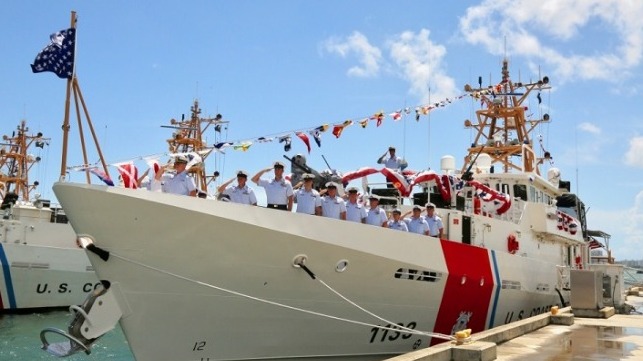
189	138
73	87
503	132
16	162
63	162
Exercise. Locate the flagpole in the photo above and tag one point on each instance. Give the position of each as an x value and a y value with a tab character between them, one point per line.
63	163
78	93
81	133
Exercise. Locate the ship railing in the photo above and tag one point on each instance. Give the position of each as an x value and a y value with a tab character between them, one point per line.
514	214
563	277
389	196
630	278
517	210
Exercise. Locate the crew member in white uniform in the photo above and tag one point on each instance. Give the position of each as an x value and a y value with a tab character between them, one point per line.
180	182
240	193
307	199
392	162
355	212
279	193
436	228
333	206
396	222
417	223
376	215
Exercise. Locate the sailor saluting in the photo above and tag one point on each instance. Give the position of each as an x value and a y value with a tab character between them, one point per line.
279	193
179	183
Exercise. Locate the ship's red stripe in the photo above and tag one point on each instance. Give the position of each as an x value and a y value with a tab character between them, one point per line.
473	264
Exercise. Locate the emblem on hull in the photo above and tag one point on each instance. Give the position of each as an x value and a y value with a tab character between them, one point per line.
461	322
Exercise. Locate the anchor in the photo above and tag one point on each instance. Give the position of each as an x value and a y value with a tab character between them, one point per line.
98	314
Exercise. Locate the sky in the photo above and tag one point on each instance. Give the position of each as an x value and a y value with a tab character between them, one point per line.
275	67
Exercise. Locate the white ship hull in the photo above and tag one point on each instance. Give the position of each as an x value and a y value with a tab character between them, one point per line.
40	264
182	270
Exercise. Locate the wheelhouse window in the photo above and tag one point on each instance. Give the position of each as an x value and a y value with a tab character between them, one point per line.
539	196
520	191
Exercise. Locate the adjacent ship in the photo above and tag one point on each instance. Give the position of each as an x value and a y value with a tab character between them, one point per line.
41	266
197	279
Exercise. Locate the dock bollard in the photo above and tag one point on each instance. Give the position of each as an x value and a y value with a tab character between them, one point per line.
462	337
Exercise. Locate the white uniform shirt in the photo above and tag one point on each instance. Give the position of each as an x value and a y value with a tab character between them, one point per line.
398	225
435	223
277	191
392	162
355	212
417	225
332	207
178	184
307	201
376	216
243	195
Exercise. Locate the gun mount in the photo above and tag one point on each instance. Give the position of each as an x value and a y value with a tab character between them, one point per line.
298	167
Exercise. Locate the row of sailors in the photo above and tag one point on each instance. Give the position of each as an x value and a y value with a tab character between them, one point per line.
280	194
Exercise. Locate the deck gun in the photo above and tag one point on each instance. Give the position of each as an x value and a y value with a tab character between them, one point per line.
298	167
468	175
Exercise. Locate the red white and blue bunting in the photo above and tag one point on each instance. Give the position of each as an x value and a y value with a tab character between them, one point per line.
446	184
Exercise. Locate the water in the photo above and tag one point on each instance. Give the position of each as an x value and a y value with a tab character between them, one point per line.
20	339
632	277
565	343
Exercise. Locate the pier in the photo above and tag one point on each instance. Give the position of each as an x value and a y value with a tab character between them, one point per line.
560	336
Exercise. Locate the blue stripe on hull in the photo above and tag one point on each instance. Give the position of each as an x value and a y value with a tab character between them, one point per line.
498	286
6	271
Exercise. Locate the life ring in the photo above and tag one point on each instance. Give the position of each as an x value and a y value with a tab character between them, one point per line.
512	244
579	263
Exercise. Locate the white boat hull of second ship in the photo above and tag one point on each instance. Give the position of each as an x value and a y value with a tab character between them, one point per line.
41	265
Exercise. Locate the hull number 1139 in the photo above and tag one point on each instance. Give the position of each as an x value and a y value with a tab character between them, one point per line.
380	334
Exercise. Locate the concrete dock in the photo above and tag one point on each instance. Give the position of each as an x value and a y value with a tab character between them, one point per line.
559	337
619	337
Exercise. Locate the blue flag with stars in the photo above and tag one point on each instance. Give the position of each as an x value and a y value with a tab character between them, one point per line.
58	56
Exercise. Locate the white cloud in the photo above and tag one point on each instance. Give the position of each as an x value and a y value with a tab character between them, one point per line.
520	22
632	220
421	64
627	238
413	57
588	149
368	55
634	155
586	153
589	128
